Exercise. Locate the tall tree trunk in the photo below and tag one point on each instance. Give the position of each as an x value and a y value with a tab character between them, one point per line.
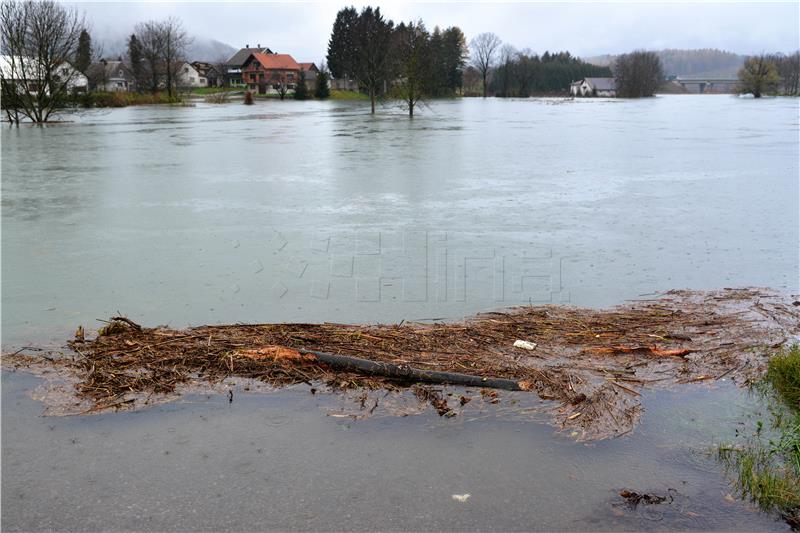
484	84
372	99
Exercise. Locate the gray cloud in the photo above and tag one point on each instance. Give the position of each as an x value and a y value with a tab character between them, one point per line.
586	29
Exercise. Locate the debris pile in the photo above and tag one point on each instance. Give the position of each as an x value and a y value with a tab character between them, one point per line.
592	363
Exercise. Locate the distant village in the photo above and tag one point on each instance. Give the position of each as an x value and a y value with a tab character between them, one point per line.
368	56
257	69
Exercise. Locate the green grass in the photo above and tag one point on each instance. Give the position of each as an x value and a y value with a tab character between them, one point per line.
203	91
783	373
767	464
347	95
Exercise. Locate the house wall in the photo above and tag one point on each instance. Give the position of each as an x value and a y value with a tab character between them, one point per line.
259	79
189	77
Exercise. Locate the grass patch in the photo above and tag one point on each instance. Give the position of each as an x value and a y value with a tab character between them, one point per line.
203	91
767	464
783	373
347	95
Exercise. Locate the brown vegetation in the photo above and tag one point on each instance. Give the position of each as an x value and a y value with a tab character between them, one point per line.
592	363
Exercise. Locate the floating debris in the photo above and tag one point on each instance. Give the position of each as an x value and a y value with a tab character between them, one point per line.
592	364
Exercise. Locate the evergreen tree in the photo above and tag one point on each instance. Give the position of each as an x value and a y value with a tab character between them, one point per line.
342	44
135	58
83	55
300	88
323	89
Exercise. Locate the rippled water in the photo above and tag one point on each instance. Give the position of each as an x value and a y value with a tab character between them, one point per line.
312	211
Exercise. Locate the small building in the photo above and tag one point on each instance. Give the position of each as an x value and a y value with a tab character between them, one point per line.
111	76
13	70
208	72
310	71
270	73
233	67
189	77
606	87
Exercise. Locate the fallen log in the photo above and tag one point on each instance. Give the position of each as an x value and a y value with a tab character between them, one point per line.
409	373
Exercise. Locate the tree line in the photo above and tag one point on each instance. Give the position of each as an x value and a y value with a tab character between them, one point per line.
771	74
523	73
403	61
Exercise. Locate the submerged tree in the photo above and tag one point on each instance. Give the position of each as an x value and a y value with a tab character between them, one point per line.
411	49
175	40
758	76
38	40
484	49
638	74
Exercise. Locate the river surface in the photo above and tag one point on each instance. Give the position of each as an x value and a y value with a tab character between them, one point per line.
316	211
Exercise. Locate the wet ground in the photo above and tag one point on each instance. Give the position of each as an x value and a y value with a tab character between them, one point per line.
279	461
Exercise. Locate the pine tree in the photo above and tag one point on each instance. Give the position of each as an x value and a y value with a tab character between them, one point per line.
300	88
83	55
135	57
323	89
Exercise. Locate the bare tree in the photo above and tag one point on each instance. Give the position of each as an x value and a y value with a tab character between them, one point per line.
758	76
280	82
38	39
151	45
175	42
484	46
507	56
638	74
412	53
789	72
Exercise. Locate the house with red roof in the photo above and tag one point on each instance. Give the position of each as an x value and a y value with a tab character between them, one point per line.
270	73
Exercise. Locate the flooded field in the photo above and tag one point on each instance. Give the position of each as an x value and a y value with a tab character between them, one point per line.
315	211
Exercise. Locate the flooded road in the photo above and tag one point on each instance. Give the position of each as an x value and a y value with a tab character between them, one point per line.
315	211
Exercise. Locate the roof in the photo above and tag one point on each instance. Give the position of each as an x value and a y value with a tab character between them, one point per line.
308	66
203	67
241	56
276	61
112	69
602	84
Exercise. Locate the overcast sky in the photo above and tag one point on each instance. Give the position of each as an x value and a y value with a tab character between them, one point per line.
585	29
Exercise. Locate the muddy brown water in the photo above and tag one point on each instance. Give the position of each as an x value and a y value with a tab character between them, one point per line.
316	212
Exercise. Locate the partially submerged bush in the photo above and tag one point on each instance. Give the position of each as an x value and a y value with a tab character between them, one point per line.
122	99
767	466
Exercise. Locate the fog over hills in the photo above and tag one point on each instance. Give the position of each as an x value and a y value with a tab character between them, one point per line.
200	49
690	63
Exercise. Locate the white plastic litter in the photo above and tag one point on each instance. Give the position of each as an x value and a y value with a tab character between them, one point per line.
461	497
525	345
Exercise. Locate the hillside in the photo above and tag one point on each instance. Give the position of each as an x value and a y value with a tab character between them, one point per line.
200	49
690	63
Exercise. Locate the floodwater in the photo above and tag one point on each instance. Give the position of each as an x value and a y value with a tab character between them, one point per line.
315	211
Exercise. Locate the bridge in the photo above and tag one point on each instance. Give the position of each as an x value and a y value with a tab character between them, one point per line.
704	84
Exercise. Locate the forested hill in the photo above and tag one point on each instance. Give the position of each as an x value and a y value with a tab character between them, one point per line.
692	63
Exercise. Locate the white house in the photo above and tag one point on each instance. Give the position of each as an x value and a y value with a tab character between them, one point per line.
111	76
17	69
188	76
593	87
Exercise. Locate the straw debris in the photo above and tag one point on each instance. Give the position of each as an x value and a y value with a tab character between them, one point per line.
593	364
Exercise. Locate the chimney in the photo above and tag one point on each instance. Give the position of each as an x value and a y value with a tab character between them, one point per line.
258	45
247	46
